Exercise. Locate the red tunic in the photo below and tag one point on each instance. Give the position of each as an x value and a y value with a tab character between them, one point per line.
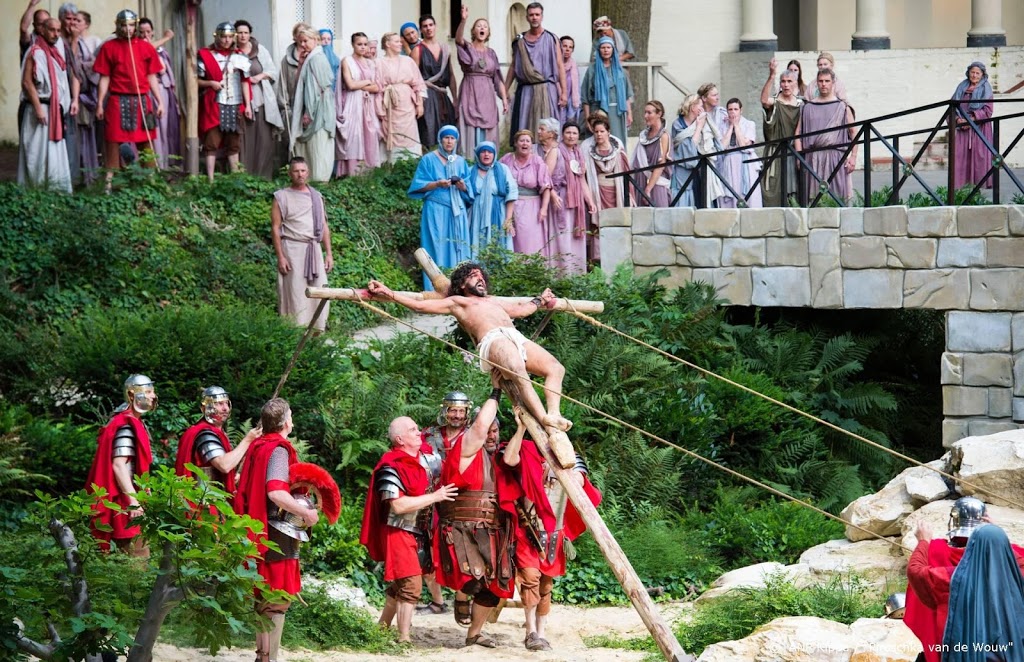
473	479
101	474
530	474
394	547
209	109
186	452
251	500
929	572
115	59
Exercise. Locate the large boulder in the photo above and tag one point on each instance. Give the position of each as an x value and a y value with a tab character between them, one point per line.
809	639
936	516
755	576
994	465
883	512
879	562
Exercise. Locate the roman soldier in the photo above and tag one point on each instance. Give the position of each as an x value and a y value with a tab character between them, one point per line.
398	519
546	520
206	444
451	423
122	453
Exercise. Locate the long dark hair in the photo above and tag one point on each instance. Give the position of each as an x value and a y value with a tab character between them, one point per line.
461	273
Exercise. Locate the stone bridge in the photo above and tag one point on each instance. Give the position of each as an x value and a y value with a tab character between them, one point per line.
968	261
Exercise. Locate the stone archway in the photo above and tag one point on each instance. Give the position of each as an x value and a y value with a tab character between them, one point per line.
967	261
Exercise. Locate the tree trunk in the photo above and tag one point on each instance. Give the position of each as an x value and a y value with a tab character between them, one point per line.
162	599
191	90
635	18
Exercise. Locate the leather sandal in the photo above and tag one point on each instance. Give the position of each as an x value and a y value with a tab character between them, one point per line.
535	643
482	640
432	608
463	612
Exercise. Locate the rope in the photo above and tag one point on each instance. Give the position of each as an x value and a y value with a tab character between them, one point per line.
768	398
138	95
650	435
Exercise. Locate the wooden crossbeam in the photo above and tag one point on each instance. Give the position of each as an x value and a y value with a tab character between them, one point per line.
355	294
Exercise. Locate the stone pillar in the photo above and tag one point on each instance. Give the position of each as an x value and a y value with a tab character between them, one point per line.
758	30
871	34
986	23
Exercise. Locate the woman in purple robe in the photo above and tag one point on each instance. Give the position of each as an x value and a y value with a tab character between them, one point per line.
653	148
481	81
530	216
973	160
573	201
571	111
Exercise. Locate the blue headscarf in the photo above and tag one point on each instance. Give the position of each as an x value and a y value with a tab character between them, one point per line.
486	146
447	130
986	600
618	78
332	57
981	94
452	169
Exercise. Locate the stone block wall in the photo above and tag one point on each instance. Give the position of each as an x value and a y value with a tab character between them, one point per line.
965	260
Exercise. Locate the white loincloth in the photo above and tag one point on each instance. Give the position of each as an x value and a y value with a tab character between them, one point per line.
484	346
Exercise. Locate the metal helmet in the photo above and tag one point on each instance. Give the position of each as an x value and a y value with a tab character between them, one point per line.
225	29
139	393
965	516
211	396
453	400
895	606
291	524
125	23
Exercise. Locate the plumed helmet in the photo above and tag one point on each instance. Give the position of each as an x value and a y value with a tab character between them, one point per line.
965	516
453	400
126	17
139	393
225	29
211	396
291	524
895	606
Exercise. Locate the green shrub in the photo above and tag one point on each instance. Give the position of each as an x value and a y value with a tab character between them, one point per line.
737	614
326	624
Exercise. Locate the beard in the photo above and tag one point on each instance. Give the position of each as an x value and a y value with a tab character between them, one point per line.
478	290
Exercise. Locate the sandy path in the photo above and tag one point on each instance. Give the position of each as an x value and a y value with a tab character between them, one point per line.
437	638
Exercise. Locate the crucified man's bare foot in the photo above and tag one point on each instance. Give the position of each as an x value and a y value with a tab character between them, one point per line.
557	421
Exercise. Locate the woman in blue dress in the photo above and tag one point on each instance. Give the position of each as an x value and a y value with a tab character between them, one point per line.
441	181
494	194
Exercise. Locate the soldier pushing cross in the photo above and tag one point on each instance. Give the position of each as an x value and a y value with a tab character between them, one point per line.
488	320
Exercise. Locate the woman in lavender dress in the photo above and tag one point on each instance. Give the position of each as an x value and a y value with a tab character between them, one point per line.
481	82
973	159
534	182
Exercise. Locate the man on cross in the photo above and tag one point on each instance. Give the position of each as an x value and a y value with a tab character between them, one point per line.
489	322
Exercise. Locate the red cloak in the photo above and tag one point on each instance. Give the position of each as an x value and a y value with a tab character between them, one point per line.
393	547
929	572
186	452
446	442
251	498
531	477
209	110
473	479
101	474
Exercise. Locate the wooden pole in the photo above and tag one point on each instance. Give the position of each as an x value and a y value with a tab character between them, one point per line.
430	268
191	90
354	294
617	561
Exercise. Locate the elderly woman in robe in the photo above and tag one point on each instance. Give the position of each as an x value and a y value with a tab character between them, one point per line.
606	86
327	44
575	202
529	228
442	181
973	160
314	119
494	195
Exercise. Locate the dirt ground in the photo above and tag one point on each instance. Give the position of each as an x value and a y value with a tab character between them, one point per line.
437	638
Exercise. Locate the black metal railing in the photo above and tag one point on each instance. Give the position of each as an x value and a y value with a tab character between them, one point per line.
867	133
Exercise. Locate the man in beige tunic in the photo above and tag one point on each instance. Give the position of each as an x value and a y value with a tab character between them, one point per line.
298	221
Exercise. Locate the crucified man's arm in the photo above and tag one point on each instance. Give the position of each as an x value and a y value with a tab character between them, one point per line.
517	310
428	306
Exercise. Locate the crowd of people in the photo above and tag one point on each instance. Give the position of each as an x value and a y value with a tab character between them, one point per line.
567	133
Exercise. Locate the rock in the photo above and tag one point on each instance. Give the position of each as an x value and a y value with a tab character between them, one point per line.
340	589
881	513
993	465
754	576
805	638
876	561
925	486
936	516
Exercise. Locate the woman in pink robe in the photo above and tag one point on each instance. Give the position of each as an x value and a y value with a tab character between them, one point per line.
358	139
530	214
973	159
400	101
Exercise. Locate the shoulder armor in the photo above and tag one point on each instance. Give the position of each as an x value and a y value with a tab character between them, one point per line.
388	483
431	462
124	441
208	446
581	465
